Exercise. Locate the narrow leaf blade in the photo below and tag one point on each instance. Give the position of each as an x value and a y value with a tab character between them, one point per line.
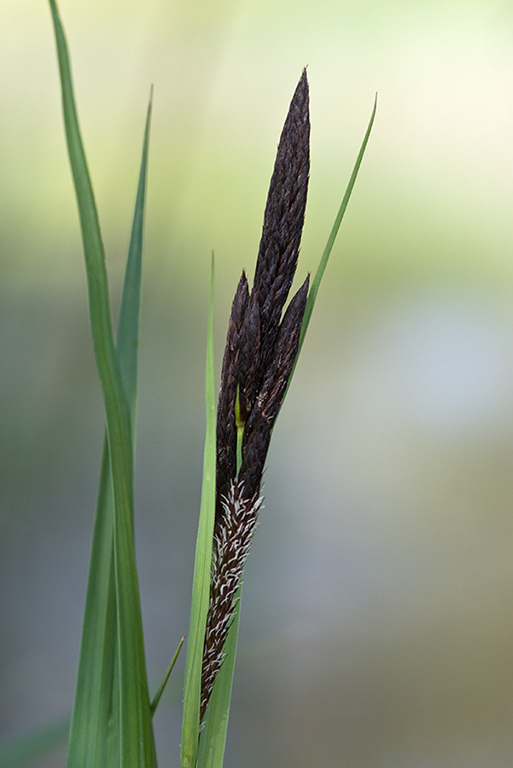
96	707
314	288
116	622
160	690
202	563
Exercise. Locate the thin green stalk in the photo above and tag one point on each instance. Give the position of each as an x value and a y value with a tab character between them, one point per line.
202	563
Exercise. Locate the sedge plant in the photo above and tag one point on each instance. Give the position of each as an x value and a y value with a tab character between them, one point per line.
111	723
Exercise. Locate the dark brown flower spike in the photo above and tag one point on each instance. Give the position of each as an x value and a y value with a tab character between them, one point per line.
261	348
226	430
283	218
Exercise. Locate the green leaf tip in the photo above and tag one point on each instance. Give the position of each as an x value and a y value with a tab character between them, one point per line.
160	690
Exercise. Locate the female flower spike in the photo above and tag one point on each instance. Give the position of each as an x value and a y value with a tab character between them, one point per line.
261	348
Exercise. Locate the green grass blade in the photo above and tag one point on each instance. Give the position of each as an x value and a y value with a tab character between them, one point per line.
96	710
135	734
314	286
128	329
312	294
96	707
202	563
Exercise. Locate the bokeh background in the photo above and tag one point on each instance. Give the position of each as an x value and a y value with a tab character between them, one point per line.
377	622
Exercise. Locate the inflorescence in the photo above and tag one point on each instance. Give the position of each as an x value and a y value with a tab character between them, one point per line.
261	348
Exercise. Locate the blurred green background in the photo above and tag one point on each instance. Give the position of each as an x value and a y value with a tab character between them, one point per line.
377	624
